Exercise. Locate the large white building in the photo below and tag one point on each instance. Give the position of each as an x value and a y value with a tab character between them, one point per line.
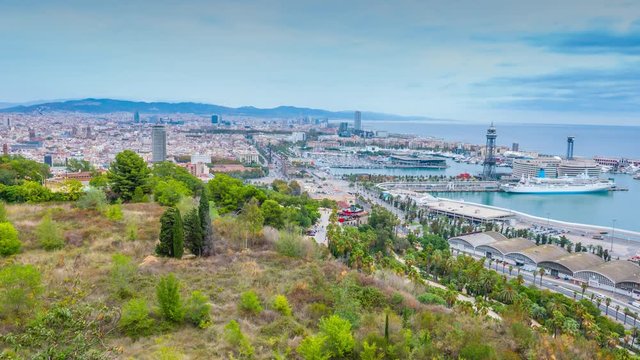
554	167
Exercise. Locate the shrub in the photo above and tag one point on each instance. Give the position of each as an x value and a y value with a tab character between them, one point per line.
92	199
250	303
3	213
168	294
114	212
234	336
9	243
132	231
122	272
428	298
313	348
49	234
290	244
198	310
135	321
476	351
340	341
281	305
20	287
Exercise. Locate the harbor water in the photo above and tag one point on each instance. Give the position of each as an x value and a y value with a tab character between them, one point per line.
595	209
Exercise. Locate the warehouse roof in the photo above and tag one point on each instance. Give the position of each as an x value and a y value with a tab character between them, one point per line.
577	261
510	245
542	253
481	238
618	271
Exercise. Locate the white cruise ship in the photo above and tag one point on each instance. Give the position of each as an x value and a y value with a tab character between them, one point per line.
578	185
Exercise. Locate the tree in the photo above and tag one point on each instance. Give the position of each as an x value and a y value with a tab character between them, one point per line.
168	294
252	217
584	287
205	222
126	173
9	242
272	212
171	234
20	288
541	275
76	165
170	192
339	340
49	234
193	236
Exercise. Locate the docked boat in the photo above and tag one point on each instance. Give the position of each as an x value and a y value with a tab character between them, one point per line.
578	185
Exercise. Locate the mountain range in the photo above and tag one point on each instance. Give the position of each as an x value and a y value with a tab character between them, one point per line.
102	106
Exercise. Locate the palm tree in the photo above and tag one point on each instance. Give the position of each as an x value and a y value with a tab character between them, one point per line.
535	274
626	312
607	302
575	293
617	309
510	269
584	287
598	302
450	297
520	280
507	294
541	275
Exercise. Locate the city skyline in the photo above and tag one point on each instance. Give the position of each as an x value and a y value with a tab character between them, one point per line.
500	61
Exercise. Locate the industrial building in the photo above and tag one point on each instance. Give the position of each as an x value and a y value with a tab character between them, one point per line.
418	162
619	276
611	275
531	168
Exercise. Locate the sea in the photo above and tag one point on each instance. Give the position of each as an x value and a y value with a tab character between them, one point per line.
619	209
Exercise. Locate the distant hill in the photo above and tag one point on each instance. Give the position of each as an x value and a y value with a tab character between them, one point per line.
102	106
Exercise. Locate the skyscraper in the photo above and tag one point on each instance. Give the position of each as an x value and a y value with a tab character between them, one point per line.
136	117
48	159
357	120
158	143
215	119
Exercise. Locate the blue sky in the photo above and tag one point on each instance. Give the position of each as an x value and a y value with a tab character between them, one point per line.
570	61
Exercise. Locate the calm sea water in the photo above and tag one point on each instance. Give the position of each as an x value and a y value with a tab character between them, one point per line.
596	209
590	140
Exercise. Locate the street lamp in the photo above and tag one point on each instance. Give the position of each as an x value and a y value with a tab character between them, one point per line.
613	229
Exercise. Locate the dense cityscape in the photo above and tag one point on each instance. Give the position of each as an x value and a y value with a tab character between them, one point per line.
319	180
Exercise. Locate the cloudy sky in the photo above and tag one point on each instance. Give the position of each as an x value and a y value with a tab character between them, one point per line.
569	61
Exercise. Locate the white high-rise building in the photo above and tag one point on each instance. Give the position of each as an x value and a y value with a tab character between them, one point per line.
357	120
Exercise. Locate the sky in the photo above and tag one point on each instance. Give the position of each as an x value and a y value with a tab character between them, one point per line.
549	61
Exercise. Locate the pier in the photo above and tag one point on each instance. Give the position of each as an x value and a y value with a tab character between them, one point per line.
444	186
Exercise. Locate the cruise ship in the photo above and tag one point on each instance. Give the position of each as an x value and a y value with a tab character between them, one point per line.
578	185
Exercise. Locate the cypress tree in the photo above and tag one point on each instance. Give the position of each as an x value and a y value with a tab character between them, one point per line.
193	235
178	236
171	234
205	223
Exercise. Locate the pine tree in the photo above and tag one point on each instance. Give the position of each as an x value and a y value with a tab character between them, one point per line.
193	235
205	222
171	234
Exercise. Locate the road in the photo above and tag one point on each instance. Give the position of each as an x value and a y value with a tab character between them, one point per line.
321	227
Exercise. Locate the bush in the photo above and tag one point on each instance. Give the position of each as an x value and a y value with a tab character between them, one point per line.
281	305
49	234
168	294
340	341
428	298
198	310
132	231
114	212
20	287
313	348
122	272
9	243
135	321
92	199
250	303
234	336
3	213
290	244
